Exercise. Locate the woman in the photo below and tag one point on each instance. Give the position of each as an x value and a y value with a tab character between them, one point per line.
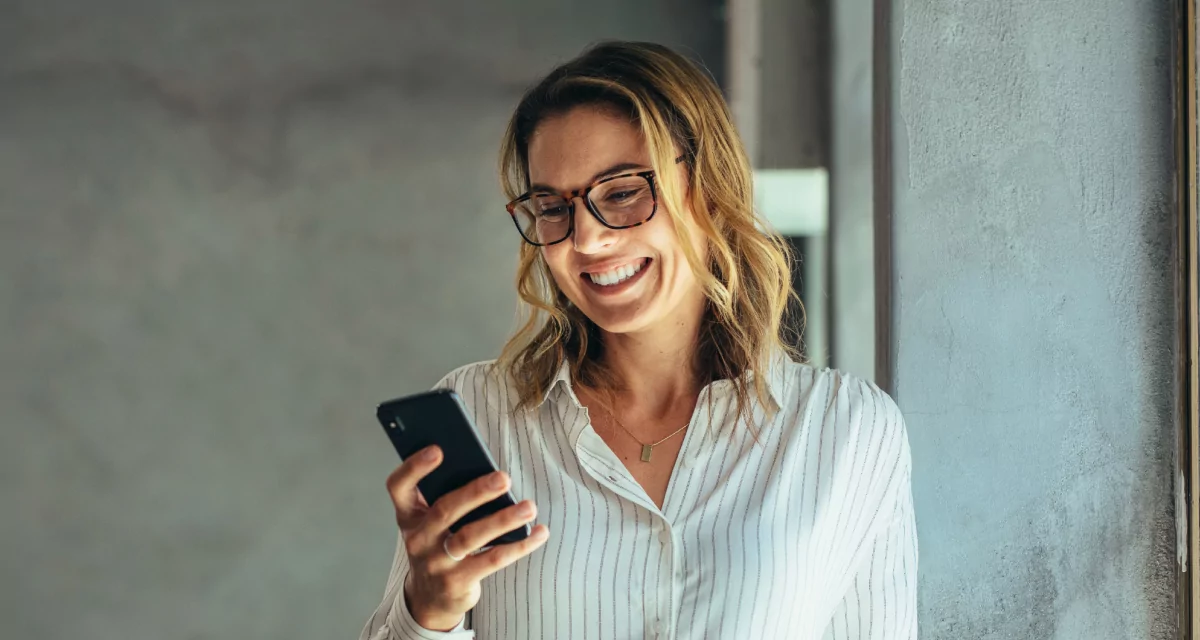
693	481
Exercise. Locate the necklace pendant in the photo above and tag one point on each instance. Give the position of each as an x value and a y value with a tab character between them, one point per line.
646	451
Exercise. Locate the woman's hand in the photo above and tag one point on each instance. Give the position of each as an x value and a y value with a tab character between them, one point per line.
440	590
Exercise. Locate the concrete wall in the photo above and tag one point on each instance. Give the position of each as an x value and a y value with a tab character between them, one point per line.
1035	338
227	230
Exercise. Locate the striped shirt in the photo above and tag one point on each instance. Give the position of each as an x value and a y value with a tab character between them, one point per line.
806	533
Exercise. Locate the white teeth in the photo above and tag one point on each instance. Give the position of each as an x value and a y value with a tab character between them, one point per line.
617	275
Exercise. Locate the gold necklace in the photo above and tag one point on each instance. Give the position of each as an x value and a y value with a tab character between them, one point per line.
647	449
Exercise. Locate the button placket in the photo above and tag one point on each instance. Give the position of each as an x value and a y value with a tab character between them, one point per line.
660	590
668	580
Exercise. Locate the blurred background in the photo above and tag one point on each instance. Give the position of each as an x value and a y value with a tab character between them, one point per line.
229	229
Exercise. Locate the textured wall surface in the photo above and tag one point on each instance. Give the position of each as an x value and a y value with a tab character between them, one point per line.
1034	317
227	230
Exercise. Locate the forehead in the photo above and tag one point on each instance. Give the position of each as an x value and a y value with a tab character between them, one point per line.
566	151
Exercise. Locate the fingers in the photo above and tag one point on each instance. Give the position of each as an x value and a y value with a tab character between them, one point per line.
441	588
454	505
457	503
402	485
480	566
473	536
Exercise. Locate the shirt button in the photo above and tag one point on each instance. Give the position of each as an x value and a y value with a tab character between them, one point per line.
664	536
658	628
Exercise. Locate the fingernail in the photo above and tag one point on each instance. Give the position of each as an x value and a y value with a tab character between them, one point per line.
429	455
496	481
526	509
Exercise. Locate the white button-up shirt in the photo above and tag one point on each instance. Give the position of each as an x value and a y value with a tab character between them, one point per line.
807	532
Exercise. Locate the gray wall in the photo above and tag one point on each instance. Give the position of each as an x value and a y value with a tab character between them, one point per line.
851	203
1035	339
227	230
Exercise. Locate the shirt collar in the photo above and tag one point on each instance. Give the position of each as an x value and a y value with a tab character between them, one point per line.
563	376
777	369
779	364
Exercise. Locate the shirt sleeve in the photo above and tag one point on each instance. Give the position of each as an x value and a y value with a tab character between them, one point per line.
393	621
881	603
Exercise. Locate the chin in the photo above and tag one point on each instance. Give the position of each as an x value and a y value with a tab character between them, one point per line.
618	321
618	326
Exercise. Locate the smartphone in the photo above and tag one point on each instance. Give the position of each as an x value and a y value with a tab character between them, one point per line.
439	417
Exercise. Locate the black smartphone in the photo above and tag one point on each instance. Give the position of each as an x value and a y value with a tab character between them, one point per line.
439	417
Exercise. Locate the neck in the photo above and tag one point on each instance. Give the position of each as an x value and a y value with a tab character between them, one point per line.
656	368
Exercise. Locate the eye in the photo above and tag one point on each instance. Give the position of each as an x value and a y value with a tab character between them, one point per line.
549	206
626	197
623	192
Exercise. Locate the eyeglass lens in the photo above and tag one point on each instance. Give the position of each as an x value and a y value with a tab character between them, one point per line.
622	202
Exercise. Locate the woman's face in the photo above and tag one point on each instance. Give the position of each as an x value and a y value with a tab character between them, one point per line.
573	150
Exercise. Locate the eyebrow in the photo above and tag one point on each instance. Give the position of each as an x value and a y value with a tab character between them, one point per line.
615	169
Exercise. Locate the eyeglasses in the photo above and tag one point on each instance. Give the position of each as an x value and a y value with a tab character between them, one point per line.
618	202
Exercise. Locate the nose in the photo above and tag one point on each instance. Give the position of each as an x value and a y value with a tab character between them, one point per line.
589	235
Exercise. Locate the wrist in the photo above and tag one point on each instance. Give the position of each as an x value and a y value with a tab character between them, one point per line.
430	620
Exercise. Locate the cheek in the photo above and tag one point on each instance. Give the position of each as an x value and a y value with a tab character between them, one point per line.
680	276
673	244
557	261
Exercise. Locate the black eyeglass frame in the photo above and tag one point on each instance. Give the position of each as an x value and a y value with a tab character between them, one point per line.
569	198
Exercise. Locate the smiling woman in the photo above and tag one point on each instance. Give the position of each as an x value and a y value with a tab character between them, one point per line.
593	269
656	301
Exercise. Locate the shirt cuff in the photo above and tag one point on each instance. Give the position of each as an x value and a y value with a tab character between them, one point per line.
405	627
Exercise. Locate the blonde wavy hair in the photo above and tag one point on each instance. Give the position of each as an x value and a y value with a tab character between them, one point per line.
746	280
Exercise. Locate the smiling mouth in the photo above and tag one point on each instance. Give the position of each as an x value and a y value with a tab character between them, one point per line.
617	275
